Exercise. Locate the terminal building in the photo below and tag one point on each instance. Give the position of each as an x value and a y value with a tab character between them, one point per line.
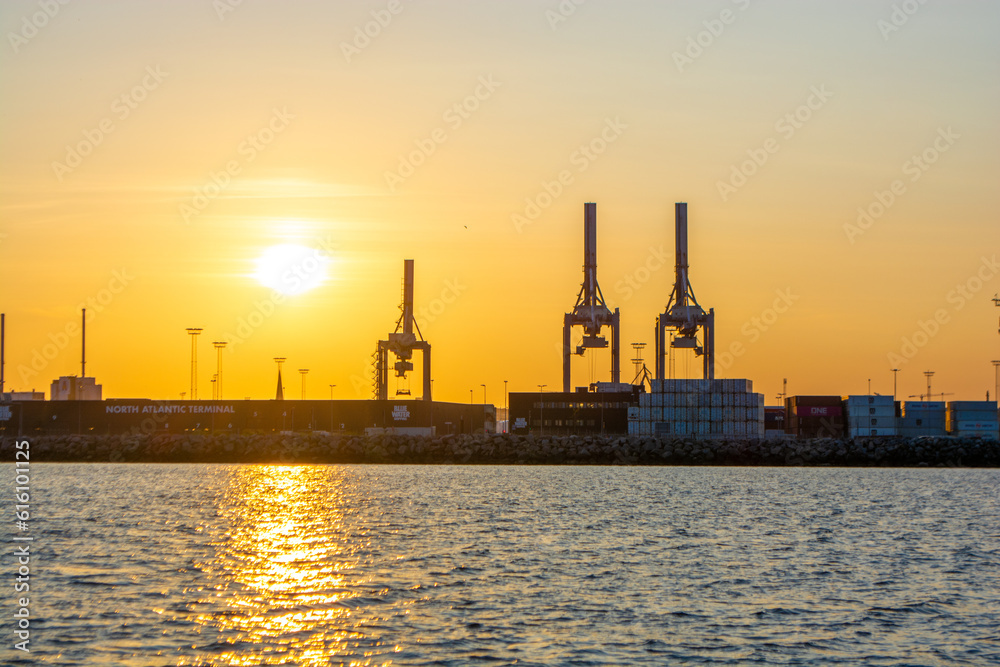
602	409
123	416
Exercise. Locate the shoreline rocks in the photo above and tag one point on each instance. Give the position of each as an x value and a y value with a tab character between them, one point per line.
509	450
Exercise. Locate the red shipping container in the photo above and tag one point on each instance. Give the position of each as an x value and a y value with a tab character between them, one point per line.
818	411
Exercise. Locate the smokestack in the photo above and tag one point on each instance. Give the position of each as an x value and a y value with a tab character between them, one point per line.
589	251
3	328
408	296
681	249
83	343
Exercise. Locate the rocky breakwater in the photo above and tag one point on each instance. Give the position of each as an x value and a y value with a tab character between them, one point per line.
509	449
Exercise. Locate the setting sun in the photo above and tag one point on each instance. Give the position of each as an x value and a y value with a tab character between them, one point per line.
291	269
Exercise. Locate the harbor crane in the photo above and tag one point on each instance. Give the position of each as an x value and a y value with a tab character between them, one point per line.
684	317
591	312
402	343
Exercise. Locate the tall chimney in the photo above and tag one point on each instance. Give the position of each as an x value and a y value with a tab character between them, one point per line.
83	343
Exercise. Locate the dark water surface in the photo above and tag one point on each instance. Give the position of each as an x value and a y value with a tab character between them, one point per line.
315	565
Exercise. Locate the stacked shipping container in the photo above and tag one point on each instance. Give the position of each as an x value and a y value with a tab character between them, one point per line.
923	418
870	415
699	408
774	422
814	416
975	419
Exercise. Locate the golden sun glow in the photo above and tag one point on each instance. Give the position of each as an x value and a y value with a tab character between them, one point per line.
291	268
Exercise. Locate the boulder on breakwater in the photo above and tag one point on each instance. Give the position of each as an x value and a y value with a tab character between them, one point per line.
509	449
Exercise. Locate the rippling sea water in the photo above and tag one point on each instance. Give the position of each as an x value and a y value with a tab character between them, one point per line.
369	565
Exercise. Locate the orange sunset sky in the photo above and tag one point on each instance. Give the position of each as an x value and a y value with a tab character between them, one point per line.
840	161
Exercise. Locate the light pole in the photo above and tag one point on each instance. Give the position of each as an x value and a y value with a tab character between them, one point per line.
996	371
928	375
869	386
303	371
485	431
541	403
331	407
193	332
219	346
895	371
215	385
471	400
506	412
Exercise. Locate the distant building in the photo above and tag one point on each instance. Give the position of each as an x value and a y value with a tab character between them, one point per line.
8	396
72	388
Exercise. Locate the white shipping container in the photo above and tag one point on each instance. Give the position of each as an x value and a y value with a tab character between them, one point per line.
919	406
871	422
978	425
870	401
864	411
985	435
972	416
871	432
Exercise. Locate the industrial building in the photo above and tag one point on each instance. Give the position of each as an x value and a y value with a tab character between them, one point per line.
72	388
583	412
118	416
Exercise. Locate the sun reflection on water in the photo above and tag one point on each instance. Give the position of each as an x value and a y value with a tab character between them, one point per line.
282	569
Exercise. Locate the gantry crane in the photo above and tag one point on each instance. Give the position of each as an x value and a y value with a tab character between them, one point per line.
591	312
402	342
683	316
